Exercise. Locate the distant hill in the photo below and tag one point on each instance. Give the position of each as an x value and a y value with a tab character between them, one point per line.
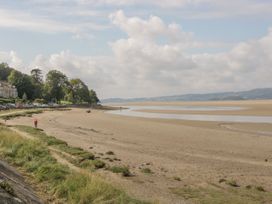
263	93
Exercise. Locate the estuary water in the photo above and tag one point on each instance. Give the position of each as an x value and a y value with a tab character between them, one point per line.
135	111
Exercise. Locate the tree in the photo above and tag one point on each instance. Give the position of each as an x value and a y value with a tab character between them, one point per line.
5	71
37	81
23	84
78	91
36	74
55	85
93	97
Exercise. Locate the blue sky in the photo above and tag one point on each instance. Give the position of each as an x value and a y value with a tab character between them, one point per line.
129	48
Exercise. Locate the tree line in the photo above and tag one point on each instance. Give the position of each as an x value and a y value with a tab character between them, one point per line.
55	88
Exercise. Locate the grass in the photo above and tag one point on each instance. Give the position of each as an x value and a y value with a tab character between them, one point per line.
99	164
222	180
121	169
110	153
49	140
27	113
260	188
6	100
4	112
109	159
92	164
213	195
14	113
176	178
33	156
66	103
58	181
85	190
81	158
77	152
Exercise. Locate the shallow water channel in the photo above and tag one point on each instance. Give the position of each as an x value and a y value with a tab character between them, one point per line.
134	111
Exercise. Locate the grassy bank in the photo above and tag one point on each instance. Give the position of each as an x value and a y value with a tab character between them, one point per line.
18	113
62	184
75	155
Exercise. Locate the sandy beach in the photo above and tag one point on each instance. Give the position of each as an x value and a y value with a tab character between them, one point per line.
199	153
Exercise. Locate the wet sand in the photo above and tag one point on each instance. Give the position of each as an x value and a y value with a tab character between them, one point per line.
250	108
198	152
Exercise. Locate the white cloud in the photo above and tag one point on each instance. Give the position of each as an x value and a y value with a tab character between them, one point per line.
150	67
11	58
25	21
95	71
28	21
160	3
148	29
186	8
154	60
144	60
192	8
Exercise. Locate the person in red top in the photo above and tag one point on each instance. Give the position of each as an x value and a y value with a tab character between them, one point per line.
35	122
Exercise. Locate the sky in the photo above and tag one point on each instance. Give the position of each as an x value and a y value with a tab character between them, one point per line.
142	48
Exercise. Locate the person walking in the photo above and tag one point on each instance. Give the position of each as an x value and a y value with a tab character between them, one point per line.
36	122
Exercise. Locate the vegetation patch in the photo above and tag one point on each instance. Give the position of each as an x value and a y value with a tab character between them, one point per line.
6	100
110	153
260	188
92	164
176	178
72	187
49	140
121	169
99	164
248	187
222	180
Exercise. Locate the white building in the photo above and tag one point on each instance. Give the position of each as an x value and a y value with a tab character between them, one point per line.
7	90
